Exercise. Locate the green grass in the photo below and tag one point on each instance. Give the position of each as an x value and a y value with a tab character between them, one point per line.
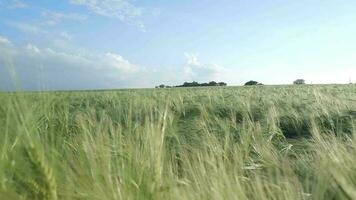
270	142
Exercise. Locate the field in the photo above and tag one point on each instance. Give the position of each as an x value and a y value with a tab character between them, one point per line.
258	142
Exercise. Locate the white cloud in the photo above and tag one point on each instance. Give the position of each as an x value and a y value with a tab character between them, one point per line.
124	10
26	27
4	41
197	71
118	62
76	68
5	49
192	60
39	68
16	4
49	18
53	17
42	30
32	48
65	35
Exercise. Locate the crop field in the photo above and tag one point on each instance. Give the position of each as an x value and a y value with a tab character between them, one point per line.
258	142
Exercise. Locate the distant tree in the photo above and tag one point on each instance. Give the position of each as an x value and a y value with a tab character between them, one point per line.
213	83
260	84
161	86
299	82
196	84
203	84
192	84
222	84
251	82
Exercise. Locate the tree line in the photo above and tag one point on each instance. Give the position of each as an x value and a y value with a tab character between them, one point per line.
213	83
195	84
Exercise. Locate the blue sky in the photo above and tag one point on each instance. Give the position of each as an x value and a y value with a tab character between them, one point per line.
89	44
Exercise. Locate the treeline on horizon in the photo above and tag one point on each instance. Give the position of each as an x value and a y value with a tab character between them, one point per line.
195	84
213	83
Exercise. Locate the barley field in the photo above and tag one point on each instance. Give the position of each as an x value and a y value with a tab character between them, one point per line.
258	142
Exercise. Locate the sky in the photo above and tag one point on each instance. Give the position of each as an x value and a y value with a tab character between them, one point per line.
107	44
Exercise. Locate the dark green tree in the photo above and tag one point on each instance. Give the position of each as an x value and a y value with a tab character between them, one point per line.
251	82
222	84
299	82
213	83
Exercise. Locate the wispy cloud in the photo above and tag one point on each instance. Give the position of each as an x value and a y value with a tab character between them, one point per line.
26	27
57	38
42	26
15	4
123	10
65	35
53	17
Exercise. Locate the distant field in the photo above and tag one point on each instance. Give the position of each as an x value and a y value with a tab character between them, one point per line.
259	142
